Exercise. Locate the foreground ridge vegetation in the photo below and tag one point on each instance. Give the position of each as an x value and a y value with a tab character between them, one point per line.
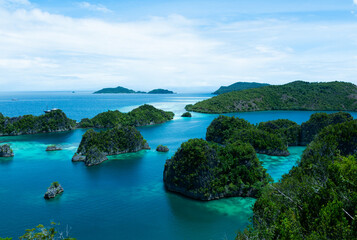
317	199
141	116
41	232
207	171
298	95
272	137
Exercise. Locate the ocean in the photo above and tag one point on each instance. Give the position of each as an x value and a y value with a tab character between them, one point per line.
124	197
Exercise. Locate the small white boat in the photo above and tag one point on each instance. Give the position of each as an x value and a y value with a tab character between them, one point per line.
53	109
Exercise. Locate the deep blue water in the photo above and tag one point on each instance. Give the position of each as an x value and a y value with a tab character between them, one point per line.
122	198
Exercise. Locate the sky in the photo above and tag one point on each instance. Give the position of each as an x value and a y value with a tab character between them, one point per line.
182	45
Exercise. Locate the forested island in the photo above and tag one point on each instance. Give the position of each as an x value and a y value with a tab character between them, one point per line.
317	199
120	89
298	95
207	171
238	86
96	146
140	116
53	121
160	91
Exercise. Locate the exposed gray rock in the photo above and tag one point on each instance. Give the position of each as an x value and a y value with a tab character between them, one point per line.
53	148
6	151
78	158
94	157
53	190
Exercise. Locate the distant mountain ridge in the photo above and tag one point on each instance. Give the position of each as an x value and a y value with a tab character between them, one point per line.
298	95
120	89
239	86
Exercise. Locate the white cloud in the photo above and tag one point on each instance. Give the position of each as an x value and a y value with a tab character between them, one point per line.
44	51
94	7
14	2
355	2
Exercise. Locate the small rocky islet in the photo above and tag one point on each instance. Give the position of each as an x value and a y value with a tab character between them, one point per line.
53	190
186	114
53	147
6	151
162	148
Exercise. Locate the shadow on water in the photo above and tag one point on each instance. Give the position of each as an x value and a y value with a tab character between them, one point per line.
6	160
117	166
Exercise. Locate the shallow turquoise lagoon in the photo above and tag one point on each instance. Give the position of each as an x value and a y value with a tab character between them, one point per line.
124	197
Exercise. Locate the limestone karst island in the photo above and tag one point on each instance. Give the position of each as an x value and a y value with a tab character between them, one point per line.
174	120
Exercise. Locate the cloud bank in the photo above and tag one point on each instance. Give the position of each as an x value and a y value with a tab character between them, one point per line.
44	51
94	7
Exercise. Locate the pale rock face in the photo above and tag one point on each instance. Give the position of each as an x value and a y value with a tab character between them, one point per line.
53	191
53	148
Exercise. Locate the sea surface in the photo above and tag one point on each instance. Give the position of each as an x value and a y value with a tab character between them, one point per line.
124	197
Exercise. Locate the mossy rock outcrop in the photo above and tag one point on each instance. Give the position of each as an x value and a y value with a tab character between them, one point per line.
186	114
6	151
54	190
162	148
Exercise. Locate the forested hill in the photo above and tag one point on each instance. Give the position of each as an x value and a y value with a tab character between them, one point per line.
298	95
117	90
238	86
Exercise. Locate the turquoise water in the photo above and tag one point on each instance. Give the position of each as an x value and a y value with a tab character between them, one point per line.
124	197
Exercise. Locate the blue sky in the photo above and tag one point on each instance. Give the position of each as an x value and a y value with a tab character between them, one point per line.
181	45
